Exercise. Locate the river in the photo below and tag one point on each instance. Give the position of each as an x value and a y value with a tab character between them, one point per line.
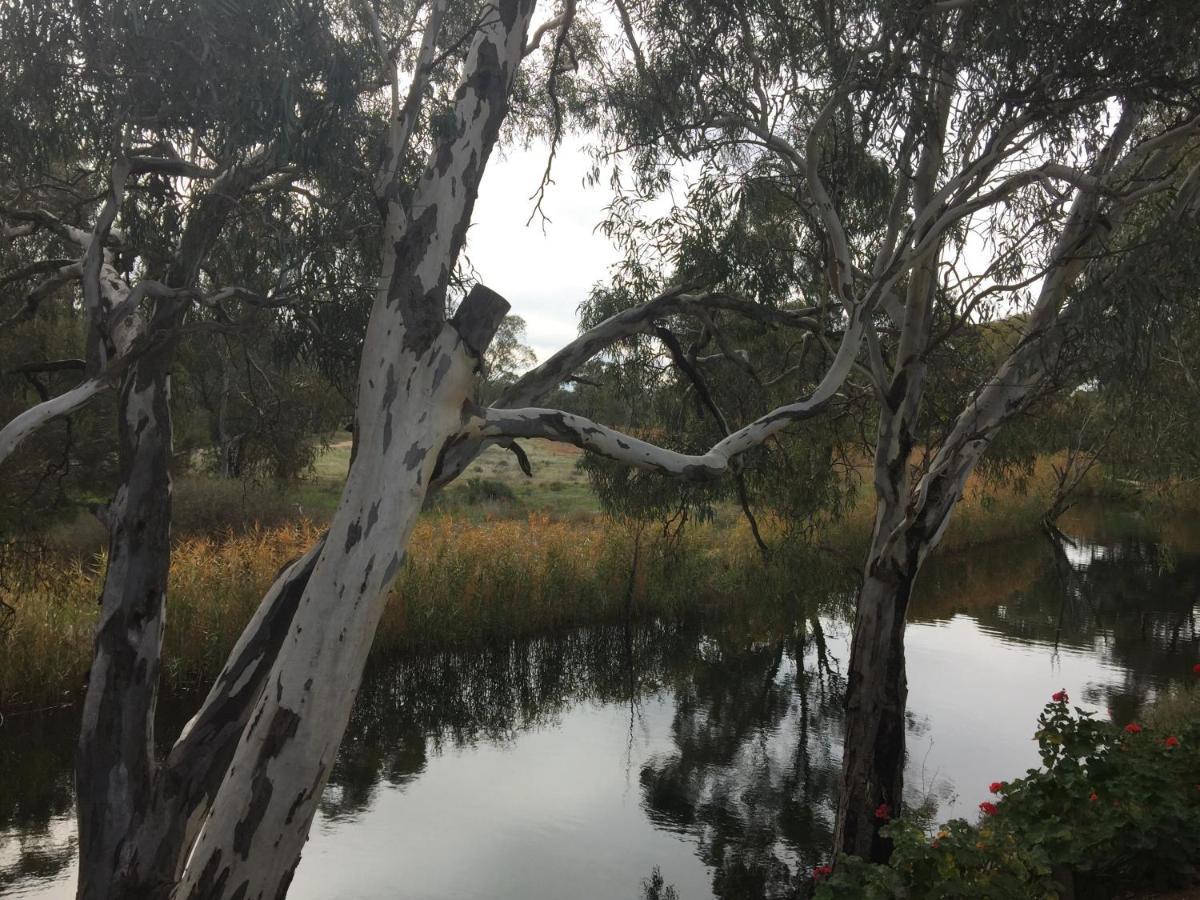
573	765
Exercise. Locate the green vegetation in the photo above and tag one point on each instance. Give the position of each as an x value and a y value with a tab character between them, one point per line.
498	555
468	580
1110	810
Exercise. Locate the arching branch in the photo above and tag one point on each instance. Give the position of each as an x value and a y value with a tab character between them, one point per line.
539	382
556	425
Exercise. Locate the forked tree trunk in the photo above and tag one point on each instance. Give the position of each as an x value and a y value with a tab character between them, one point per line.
910	522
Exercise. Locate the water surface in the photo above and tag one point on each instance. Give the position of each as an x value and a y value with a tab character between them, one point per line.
571	766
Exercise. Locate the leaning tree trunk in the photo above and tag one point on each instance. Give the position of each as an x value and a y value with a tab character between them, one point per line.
227	813
120	782
416	376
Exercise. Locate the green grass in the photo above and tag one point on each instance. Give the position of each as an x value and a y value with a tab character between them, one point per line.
557	488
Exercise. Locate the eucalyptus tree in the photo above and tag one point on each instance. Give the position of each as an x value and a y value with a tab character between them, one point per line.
951	163
196	124
226	811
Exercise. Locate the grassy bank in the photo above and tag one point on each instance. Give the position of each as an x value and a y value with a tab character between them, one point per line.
464	581
498	556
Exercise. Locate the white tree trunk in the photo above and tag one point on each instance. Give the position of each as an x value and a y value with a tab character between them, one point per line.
416	375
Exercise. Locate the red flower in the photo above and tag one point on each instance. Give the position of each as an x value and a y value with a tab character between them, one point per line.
1093	797
988	809
1059	696
996	787
822	872
1133	728
883	811
1196	668
1172	741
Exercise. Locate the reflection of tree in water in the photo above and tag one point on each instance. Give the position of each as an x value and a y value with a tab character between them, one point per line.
757	727
1129	601
1126	601
36	790
410	706
757	720
756	734
756	760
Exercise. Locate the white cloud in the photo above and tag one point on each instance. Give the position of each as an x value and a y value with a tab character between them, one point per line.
546	275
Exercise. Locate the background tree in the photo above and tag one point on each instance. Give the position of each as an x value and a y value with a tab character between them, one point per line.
948	164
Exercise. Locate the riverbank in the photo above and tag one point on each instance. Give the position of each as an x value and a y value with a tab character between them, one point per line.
483	567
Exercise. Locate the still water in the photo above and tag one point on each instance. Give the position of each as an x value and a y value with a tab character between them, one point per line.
570	767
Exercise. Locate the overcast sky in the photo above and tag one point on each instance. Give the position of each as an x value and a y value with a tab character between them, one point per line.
543	276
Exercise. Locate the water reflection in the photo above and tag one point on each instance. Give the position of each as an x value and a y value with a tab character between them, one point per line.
569	766
754	766
37	799
1131	605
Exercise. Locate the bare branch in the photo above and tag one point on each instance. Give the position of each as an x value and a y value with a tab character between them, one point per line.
93	260
40	218
50	365
537	382
28	422
556	125
36	268
29	307
485	424
404	118
535	39
168	165
842	277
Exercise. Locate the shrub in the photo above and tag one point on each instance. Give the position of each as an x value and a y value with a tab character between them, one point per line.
1110	809
488	490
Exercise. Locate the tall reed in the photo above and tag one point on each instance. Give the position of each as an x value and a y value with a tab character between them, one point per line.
464	581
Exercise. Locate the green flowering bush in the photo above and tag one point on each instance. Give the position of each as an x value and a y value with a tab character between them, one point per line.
1118	807
1110	809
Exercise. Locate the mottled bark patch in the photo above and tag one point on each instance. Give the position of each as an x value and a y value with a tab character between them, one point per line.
422	320
362	588
391	387
353	535
211	884
393	567
443	366
415	456
282	729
